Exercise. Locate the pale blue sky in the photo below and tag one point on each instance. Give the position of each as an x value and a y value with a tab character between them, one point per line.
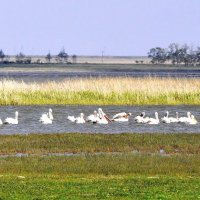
86	27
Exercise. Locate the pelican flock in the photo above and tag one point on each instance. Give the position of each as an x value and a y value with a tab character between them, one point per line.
100	117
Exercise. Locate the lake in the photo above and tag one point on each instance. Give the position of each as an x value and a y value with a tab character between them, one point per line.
59	72
29	116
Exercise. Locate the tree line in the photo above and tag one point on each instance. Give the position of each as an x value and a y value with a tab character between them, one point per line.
176	54
62	57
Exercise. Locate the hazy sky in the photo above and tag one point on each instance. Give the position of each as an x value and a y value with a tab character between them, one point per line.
88	27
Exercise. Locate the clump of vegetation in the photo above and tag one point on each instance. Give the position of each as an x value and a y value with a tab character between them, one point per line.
175	54
102	91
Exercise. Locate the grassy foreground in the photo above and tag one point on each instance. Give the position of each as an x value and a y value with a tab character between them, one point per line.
102	91
99	187
137	171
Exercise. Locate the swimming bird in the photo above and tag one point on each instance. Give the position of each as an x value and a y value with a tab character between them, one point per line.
141	118
1	122
185	119
71	118
121	117
47	115
10	120
93	117
174	119
80	119
103	118
47	118
154	120
192	120
166	119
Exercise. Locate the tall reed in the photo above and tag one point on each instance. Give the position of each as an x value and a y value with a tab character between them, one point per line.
130	91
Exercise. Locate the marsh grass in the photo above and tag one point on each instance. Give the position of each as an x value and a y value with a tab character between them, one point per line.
94	143
146	175
102	91
104	164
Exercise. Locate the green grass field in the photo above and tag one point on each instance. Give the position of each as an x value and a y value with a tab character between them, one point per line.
125	166
100	187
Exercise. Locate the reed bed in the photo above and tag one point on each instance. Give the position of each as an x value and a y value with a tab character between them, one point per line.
102	91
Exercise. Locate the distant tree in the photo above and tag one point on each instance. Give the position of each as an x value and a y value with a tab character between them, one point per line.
197	56
174	53
63	56
74	58
193	57
184	54
177	54
158	55
20	57
38	61
2	55
180	54
27	60
49	57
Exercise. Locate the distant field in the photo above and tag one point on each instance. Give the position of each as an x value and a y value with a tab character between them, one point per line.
102	91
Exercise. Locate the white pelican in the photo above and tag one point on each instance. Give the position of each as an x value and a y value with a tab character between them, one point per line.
10	120
47	115
93	117
1	122
47	118
80	119
166	119
103	119
141	118
46	121
154	120
192	120
71	118
121	117
185	119
174	119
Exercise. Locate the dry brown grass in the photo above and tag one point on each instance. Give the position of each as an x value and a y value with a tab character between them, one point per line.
107	85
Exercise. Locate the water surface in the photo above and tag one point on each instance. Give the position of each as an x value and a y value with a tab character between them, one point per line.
29	120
